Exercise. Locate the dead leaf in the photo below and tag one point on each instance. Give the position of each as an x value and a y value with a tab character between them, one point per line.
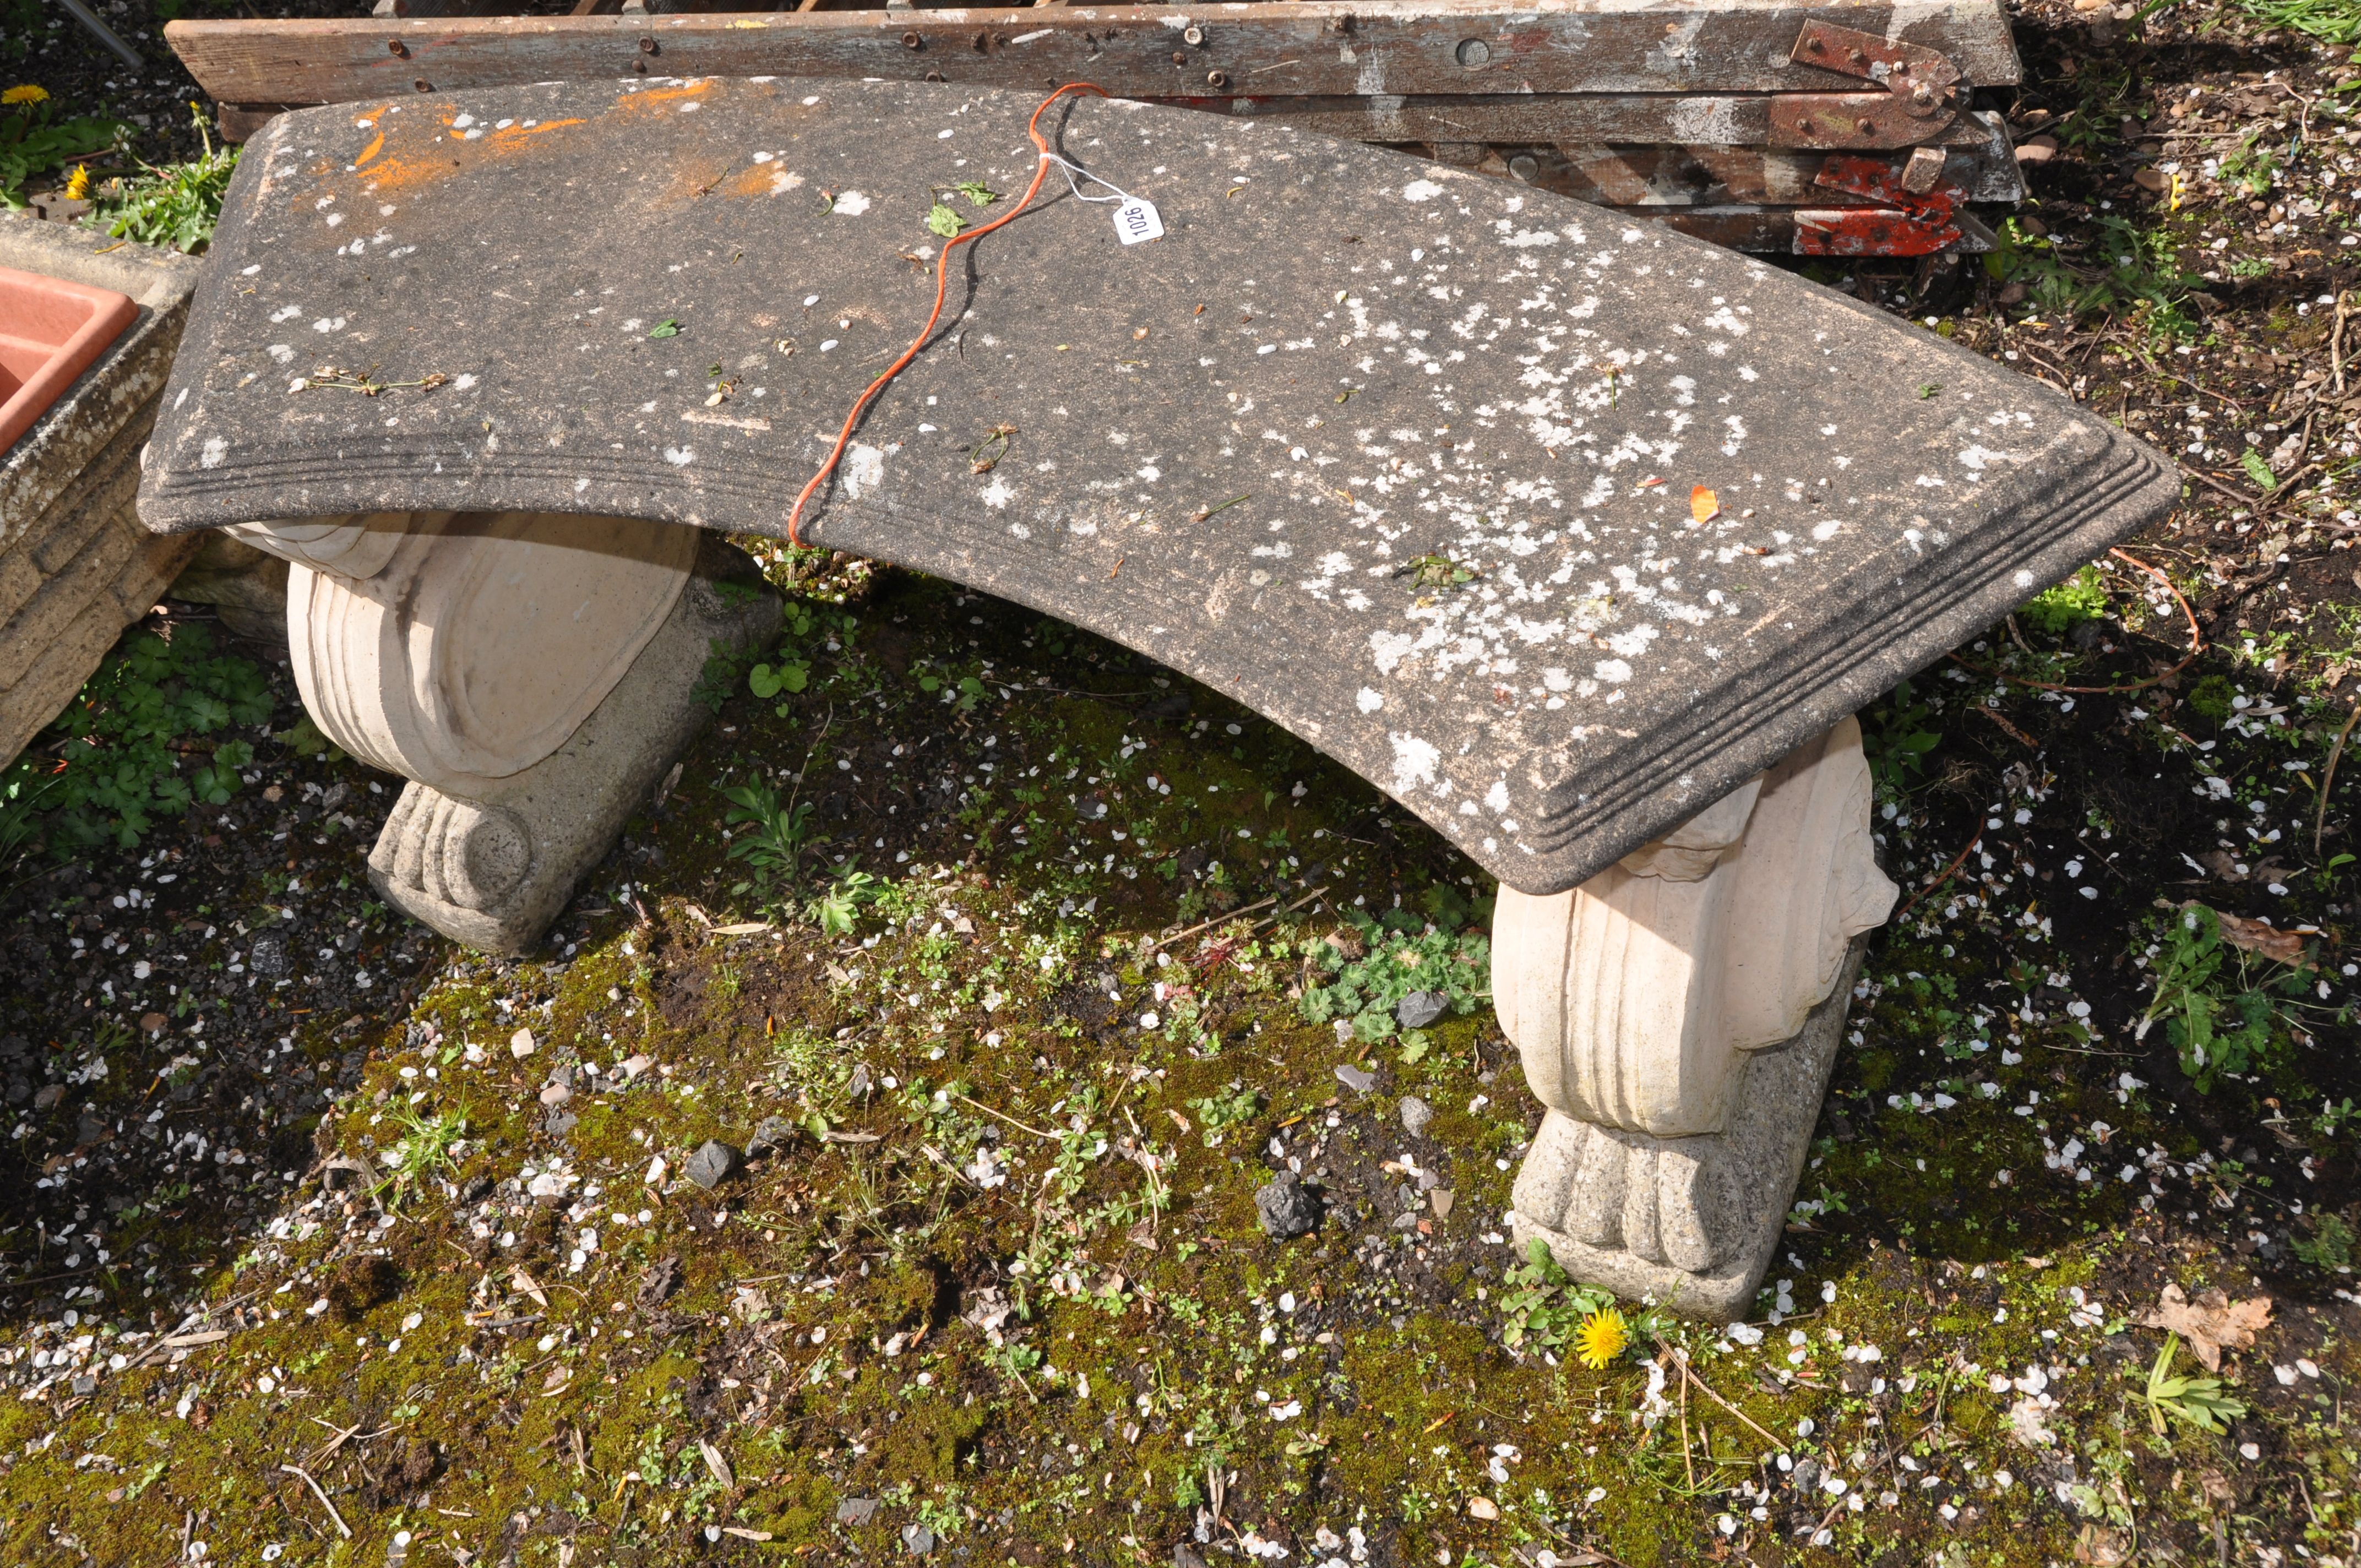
2212	1324
1704	505
2255	937
525	1283
745	928
744	1534
717	1462
2102	1547
833	1136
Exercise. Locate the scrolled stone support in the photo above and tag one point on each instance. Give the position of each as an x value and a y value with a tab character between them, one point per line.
1678	1015
530	673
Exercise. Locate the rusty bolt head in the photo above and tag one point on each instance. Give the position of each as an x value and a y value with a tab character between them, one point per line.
1217	78
423	85
1192	35
1816	45
647	46
1857	57
1180	59
912	40
1000	41
934	76
397	49
1866	126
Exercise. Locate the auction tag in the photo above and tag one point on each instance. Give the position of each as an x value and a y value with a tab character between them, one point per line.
1135	221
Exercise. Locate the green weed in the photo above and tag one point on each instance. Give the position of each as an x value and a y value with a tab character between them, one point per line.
32	142
2220	1014
1896	735
1396	957
1226	1109
2193	1401
2249	166
2139	279
767	836
173	204
428	1146
2056	611
837	909
1541	1307
2330	1245
124	755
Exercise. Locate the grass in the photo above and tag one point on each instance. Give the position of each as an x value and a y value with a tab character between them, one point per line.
2330	21
429	1146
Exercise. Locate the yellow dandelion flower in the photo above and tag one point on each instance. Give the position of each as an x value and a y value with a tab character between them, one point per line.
24	93
78	183
1602	1337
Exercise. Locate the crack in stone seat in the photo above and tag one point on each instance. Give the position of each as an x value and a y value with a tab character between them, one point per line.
1462	425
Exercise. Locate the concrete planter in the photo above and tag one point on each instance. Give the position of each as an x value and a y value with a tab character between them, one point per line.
75	565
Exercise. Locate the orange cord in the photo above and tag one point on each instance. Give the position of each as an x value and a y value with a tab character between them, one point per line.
942	287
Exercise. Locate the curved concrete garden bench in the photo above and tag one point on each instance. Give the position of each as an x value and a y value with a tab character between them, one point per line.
1582	540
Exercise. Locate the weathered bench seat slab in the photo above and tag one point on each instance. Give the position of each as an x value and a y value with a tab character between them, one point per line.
1403	370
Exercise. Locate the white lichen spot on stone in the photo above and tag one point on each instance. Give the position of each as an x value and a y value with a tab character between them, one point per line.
1415	762
1370	700
864	470
1389	648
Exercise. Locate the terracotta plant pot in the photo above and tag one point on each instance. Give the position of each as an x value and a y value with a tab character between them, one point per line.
50	331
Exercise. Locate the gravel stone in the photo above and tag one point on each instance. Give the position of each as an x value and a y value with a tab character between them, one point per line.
1420	1008
773	1134
714	1163
1287	1207
1415	1114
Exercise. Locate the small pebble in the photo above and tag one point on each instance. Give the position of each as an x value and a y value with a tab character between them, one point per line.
714	1163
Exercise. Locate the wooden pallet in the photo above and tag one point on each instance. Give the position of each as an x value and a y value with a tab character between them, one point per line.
1841	128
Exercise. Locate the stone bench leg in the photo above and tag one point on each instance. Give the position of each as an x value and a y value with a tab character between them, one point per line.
531	674
1678	1015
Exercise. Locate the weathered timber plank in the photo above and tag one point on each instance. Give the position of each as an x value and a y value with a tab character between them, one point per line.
1564	118
1293	47
1705	175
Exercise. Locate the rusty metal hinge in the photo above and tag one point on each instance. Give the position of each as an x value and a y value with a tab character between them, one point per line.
1920	96
1919	213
